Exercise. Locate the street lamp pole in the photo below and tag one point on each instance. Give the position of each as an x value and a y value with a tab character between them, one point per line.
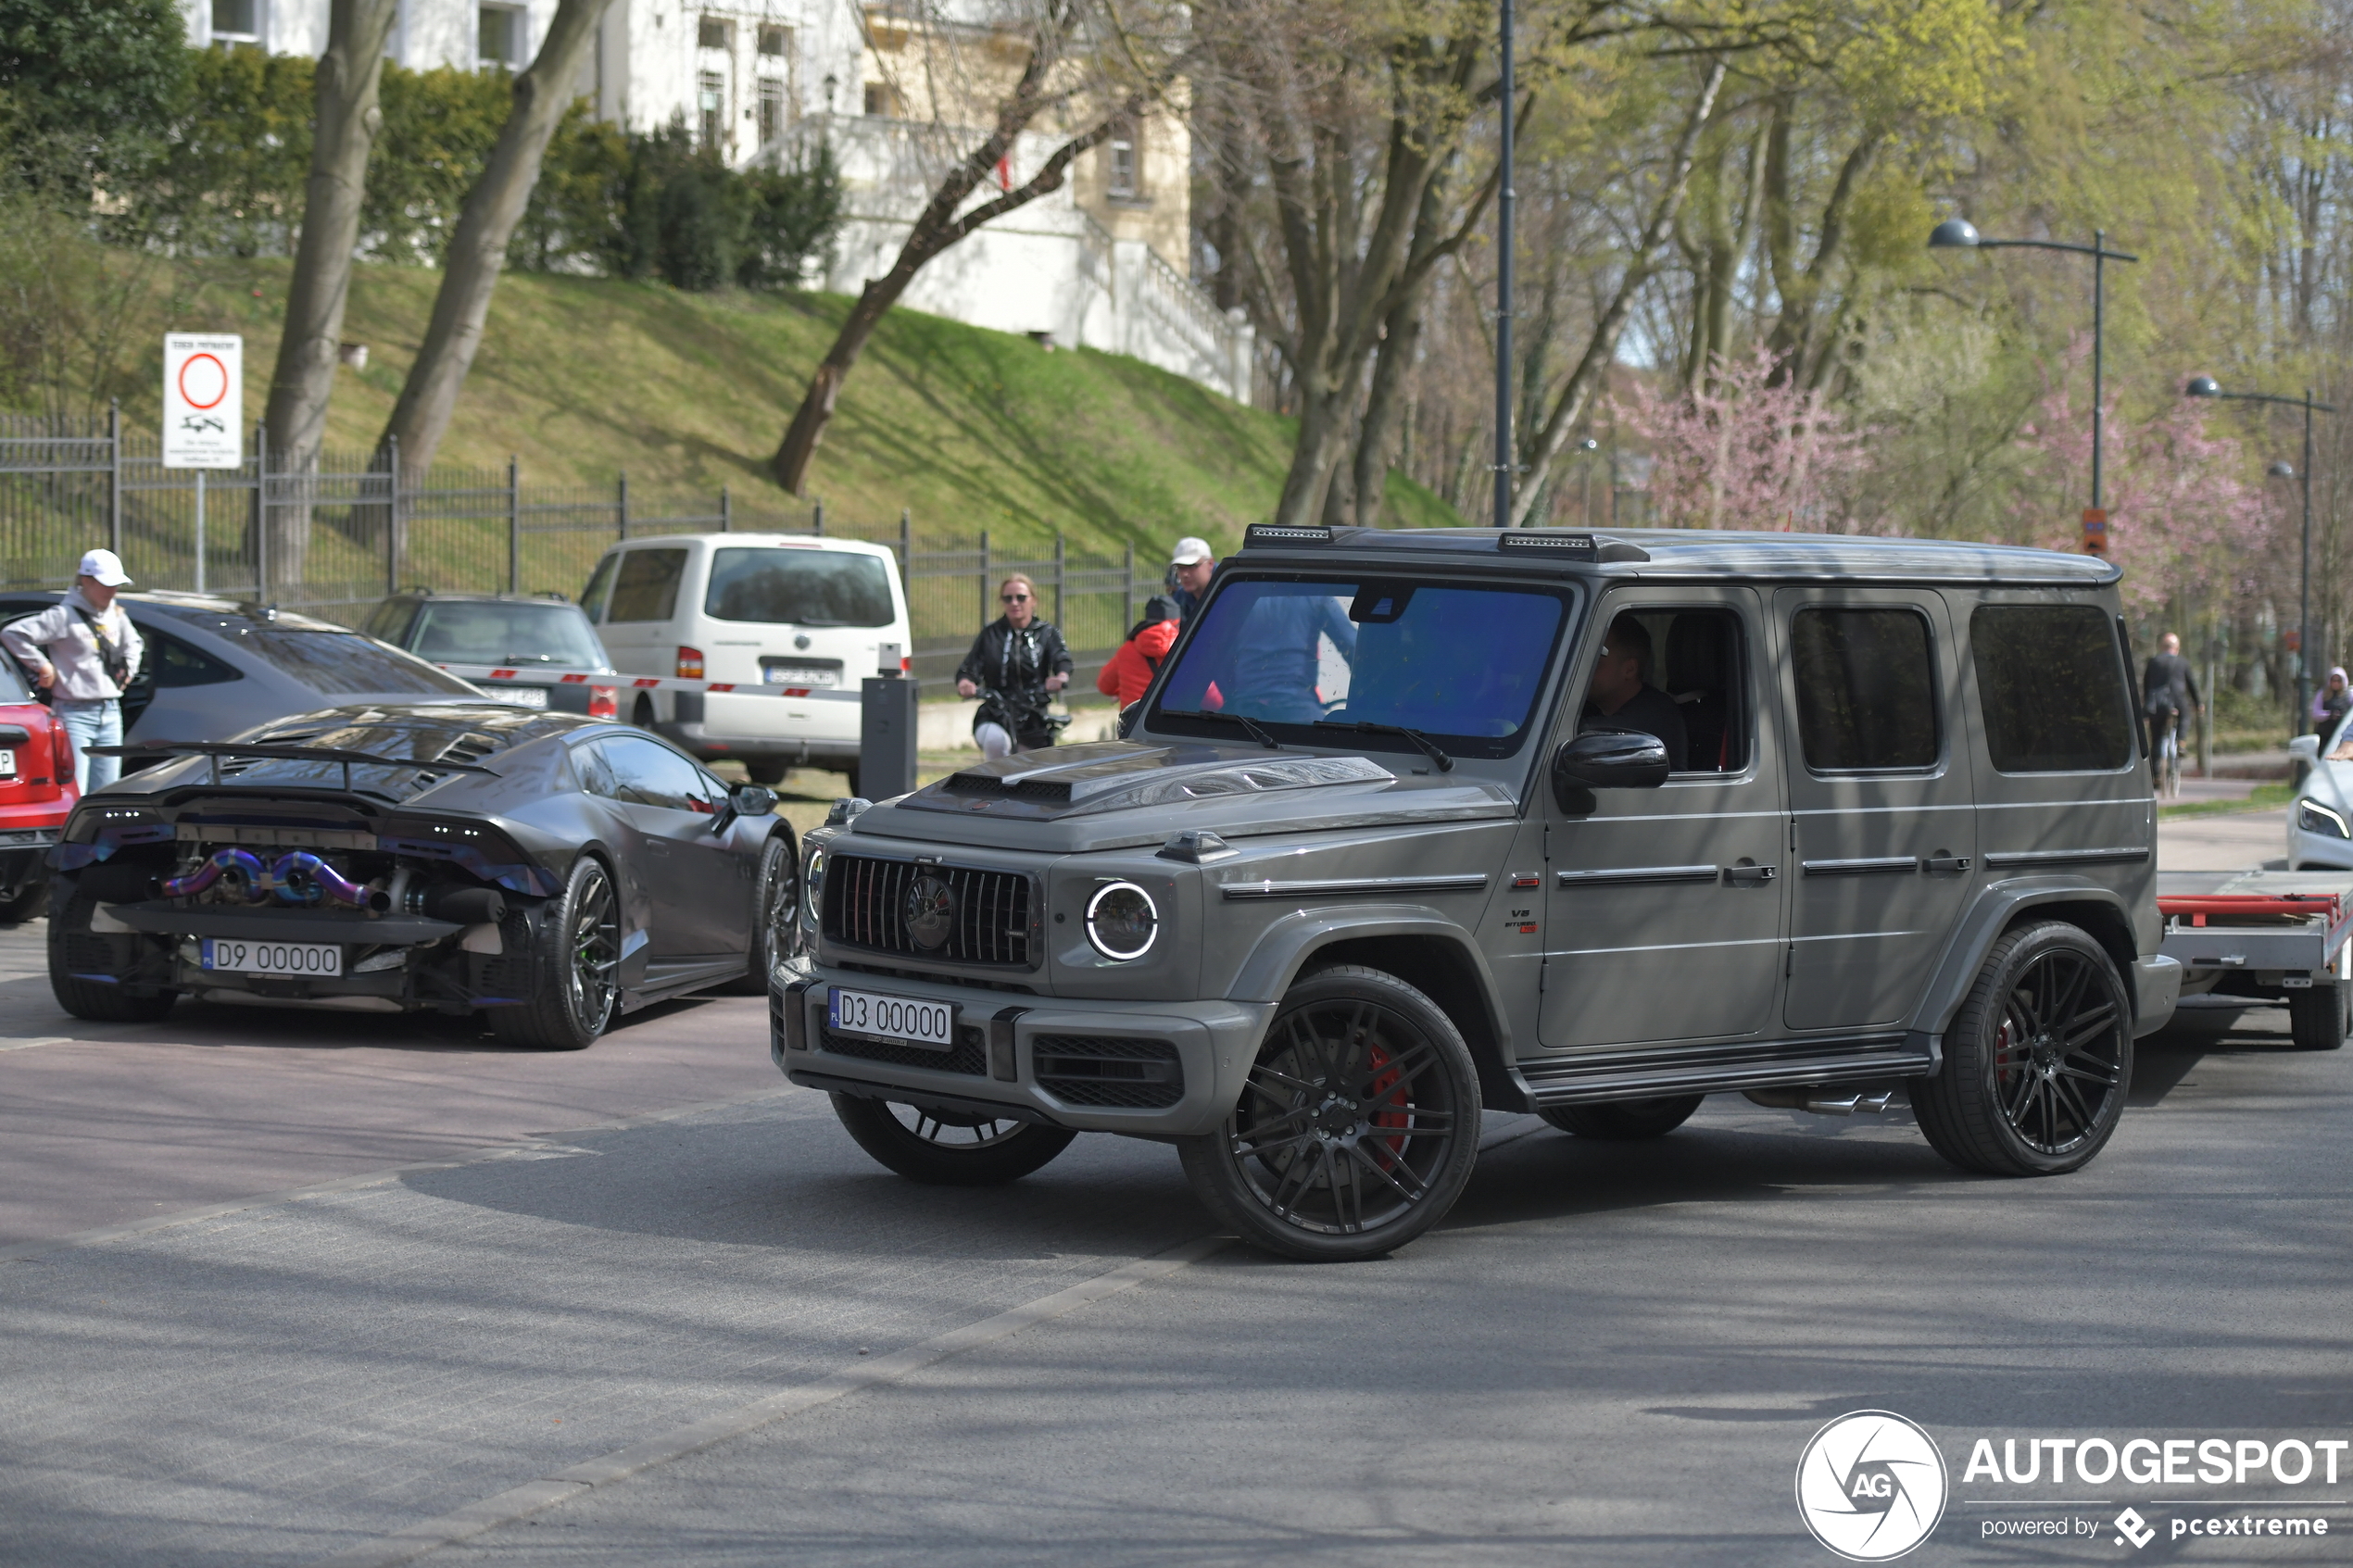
1958	233
1506	466
2207	386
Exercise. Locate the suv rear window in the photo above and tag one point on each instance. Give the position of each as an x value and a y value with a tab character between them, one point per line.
646	588
2051	684
791	587
1866	689
506	632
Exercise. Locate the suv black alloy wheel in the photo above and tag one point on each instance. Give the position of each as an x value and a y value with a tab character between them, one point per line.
946	1148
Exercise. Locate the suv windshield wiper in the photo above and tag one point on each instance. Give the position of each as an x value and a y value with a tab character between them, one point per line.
1366	727
1257	731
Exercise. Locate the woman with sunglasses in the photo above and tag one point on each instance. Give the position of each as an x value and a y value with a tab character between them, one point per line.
1016	664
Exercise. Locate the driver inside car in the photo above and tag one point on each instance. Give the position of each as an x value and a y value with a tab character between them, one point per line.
1620	699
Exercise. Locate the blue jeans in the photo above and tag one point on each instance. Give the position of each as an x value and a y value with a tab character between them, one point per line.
92	723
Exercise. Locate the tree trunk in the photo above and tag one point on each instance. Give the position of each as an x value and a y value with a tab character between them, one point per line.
347	120
1601	349
478	249
938	228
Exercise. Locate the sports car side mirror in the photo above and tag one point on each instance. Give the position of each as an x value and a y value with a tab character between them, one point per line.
1606	760
751	801
2306	747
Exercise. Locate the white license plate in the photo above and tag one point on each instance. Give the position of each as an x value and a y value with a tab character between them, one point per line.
273	957
7	763
931	1025
527	696
799	675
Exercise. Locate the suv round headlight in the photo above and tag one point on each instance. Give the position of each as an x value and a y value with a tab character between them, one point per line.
812	887
1122	920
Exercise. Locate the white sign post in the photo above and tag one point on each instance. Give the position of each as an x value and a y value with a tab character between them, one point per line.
204	410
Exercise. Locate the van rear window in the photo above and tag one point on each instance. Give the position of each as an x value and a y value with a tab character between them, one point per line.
797	588
647	587
2051	681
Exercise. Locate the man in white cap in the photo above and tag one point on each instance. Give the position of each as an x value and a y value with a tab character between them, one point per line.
84	650
1188	571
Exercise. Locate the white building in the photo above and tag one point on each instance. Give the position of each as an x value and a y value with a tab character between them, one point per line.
1101	263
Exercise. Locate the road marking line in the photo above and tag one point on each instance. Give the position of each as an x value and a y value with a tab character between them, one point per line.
541	1146
26	1042
517	1503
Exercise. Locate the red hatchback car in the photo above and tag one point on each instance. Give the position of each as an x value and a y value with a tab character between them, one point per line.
36	795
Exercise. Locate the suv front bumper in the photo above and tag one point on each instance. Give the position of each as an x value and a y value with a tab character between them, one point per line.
996	1070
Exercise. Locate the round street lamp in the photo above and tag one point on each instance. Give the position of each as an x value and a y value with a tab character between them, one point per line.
1959	234
2207	386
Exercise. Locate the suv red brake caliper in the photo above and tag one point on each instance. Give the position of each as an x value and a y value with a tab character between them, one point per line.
1388	1089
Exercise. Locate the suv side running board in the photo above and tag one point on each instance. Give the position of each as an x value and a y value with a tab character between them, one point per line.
1698	1070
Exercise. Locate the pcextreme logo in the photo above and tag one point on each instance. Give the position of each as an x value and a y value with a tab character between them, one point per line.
1871	1486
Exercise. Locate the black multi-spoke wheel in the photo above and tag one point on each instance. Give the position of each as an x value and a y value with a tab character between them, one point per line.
1356	1129
948	1147
1625	1120
2037	1062
578	942
776	930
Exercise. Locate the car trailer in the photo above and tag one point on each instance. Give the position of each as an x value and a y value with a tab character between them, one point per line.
2271	937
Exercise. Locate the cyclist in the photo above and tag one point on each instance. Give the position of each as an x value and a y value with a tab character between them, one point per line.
1020	661
2168	691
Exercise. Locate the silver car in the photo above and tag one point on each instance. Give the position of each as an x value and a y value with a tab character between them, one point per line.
1413	825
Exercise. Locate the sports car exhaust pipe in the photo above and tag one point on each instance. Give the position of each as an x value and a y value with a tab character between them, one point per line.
298	873
467	906
242	867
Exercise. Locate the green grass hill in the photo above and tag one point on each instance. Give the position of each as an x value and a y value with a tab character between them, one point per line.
968	429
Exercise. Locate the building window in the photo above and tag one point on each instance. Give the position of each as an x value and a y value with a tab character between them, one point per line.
710	32
1127	169
775	41
882	101
499	39
710	106
771	109
236	19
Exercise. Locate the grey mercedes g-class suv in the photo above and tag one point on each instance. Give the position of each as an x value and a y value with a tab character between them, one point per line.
1414	825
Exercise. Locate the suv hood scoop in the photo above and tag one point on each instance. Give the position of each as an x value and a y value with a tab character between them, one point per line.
1071	781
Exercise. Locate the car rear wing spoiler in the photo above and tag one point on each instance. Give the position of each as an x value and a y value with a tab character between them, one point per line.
499	675
217	749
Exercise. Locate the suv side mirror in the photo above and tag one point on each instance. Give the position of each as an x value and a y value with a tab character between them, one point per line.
1607	759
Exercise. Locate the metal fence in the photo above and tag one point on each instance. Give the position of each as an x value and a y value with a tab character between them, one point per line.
335	539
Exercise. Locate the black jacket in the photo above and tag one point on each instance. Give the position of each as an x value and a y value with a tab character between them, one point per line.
1011	669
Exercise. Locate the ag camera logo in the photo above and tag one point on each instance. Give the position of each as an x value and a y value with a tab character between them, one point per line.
1871	1486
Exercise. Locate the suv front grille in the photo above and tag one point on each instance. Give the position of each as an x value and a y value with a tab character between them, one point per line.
1096	1069
970	1056
866	905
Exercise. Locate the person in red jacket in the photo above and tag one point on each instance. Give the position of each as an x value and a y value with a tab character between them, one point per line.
1126	674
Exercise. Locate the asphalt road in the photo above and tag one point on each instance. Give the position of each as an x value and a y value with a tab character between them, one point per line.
648	1305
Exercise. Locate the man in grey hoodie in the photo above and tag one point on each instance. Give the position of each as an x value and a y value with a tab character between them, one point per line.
84	650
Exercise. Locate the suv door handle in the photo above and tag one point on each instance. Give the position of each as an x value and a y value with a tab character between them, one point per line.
1741	876
1948	862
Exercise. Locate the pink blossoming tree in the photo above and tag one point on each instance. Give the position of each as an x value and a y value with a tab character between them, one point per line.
1745	453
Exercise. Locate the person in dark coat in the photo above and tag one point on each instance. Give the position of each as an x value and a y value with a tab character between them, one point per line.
1016	666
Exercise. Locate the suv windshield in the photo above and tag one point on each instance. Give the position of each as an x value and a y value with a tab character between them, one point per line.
797	588
1464	664
506	632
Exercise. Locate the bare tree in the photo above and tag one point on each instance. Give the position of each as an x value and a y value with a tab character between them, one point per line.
478	246
1081	62
347	120
1601	347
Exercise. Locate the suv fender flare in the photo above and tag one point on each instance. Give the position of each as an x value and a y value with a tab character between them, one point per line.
2101	911
1422	947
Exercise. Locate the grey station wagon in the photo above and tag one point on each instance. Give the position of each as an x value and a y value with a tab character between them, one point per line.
1417	824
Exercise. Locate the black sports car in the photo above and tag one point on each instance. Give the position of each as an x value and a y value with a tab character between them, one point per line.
544	868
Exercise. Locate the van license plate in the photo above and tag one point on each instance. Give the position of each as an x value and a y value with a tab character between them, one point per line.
799	675
306	959
930	1024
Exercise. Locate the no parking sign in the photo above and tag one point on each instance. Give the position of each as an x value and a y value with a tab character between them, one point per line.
203	400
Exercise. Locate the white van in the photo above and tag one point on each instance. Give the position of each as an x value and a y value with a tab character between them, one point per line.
782	609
